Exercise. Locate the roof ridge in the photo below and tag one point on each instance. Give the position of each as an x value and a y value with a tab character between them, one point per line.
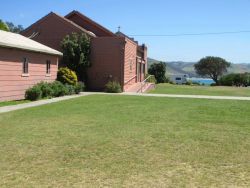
64	19
76	25
89	20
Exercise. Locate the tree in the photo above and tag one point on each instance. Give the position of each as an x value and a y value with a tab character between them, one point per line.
236	79
213	67
13	28
76	54
159	71
3	26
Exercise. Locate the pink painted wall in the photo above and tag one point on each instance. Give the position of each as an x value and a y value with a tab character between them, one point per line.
12	81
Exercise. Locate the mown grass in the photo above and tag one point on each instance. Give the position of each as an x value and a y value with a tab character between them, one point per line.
201	90
127	141
10	103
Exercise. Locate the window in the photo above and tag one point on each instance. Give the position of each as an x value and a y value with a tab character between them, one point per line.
25	66
131	65
48	67
178	79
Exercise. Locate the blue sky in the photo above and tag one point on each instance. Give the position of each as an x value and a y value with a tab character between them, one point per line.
147	17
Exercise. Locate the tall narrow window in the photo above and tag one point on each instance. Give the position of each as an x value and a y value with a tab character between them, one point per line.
25	66
48	67
131	65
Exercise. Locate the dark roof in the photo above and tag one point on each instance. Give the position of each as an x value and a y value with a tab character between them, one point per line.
74	12
121	34
65	20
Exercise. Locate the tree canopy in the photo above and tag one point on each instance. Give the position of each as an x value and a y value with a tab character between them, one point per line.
159	71
76	54
9	26
14	28
3	26
213	67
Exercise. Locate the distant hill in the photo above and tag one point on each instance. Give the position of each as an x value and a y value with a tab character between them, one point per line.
180	67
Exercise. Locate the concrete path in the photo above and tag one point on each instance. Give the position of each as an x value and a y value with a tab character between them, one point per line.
189	96
38	103
48	101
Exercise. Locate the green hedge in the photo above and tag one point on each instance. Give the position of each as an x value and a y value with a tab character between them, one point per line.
54	89
235	79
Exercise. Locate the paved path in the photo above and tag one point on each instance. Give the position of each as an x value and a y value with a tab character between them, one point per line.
38	103
189	96
48	101
175	96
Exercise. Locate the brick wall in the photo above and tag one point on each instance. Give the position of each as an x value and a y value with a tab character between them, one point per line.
107	56
130	64
52	29
12	83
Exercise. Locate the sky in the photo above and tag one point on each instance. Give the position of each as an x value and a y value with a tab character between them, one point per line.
158	17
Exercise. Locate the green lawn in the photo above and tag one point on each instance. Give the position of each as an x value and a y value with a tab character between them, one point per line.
201	90
129	141
10	103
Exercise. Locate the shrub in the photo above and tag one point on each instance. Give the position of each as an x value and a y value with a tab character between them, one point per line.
58	89
113	87
34	93
70	89
188	83
46	89
79	87
196	83
227	80
236	79
66	76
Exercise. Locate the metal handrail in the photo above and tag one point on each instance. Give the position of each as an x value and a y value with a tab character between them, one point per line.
144	82
129	80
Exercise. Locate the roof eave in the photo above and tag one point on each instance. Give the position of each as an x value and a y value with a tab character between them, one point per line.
30	49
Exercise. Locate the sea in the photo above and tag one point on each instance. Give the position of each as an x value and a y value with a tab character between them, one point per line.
202	81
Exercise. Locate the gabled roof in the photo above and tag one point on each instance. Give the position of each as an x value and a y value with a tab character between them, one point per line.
13	40
64	20
90	21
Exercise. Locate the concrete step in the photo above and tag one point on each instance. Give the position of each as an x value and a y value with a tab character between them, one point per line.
136	88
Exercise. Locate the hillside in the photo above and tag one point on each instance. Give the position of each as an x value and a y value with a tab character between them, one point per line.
180	67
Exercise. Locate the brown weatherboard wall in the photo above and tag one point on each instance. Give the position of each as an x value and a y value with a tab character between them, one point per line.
107	56
51	30
13	82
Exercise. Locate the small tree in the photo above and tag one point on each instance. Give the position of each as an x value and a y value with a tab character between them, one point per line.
3	26
159	71
76	54
213	67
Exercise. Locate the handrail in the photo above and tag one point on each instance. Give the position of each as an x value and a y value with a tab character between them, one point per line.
129	80
143	83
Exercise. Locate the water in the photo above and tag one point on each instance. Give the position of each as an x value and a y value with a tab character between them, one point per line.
202	81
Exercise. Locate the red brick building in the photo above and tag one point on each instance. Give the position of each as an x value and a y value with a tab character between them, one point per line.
114	56
23	63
